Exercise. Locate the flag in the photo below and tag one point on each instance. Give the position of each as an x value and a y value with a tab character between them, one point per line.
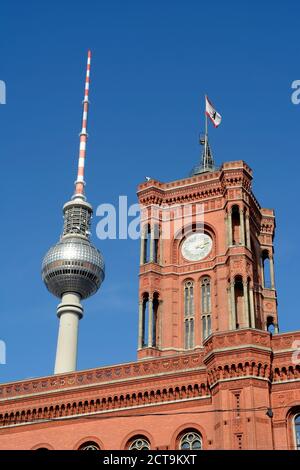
213	115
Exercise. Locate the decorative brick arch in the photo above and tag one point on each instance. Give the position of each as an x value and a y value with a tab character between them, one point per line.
293	410
238	276
186	427
203	275
157	292
187	279
89	439
138	432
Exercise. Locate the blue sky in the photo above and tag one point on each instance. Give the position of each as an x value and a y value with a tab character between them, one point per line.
152	63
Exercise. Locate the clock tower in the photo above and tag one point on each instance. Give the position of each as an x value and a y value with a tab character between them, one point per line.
206	262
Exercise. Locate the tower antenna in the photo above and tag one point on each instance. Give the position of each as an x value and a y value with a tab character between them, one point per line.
80	183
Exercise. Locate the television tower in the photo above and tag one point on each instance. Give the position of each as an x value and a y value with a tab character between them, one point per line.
73	269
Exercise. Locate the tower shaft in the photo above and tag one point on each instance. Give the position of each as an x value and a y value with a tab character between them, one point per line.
69	312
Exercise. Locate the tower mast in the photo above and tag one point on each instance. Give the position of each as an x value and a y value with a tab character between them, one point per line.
80	183
73	269
204	157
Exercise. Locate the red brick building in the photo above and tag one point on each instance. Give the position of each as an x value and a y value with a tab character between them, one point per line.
213	371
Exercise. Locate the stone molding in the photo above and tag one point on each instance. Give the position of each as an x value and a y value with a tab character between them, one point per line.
111	403
131	370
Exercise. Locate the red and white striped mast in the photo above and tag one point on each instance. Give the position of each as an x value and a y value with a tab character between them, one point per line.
80	183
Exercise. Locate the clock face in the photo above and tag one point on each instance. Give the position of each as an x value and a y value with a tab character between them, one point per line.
196	246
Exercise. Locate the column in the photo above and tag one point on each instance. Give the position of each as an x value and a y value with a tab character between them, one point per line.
262	271
226	229
229	227
232	302
229	311
248	238
272	272
246	304
252	313
150	323
152	243
69	312
141	325
242	226
142	252
156	235
161	250
158	326
276	328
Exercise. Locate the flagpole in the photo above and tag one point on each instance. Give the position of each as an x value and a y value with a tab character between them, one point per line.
205	140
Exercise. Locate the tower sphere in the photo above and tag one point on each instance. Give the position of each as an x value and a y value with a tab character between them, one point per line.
73	265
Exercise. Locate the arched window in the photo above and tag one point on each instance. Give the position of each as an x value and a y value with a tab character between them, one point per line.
239	301
236	225
206	307
90	445
190	441
266	269
297	431
150	240
147	241
156	243
145	319
149	326
139	443
188	298
155	319
270	325
189	315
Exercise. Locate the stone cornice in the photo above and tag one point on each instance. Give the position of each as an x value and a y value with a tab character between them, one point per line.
236	379
110	385
207	185
235	349
283	341
232	252
291	383
234	338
